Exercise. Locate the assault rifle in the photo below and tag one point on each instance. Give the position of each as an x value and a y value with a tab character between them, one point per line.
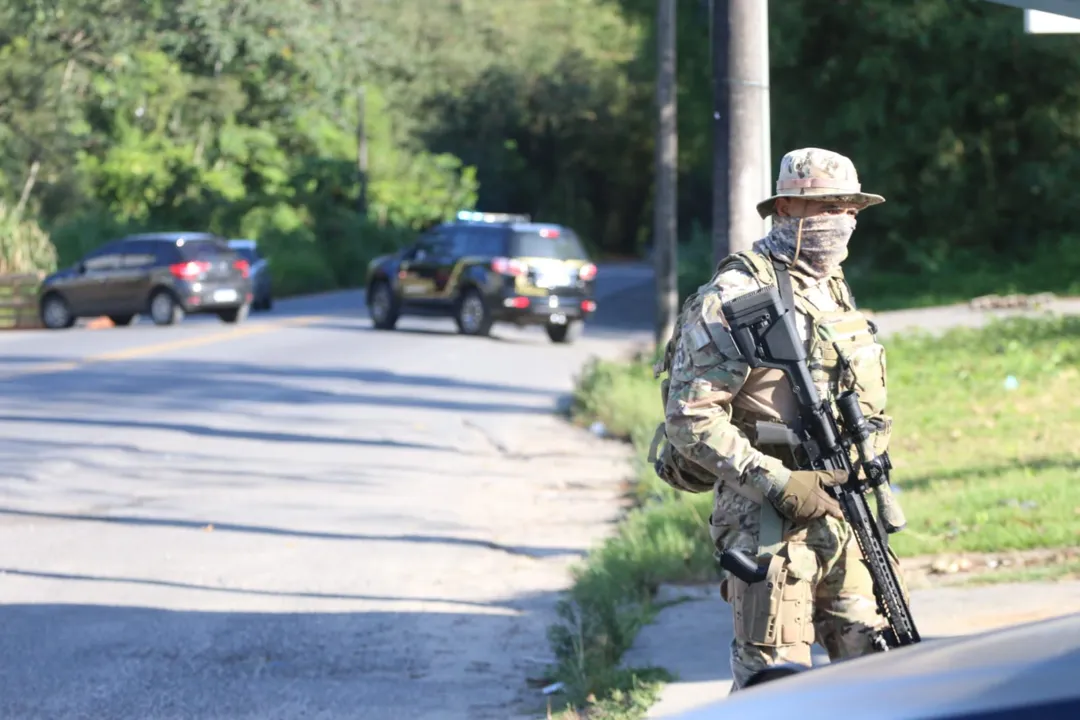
764	332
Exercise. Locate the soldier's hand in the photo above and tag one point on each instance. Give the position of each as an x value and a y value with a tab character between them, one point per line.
804	498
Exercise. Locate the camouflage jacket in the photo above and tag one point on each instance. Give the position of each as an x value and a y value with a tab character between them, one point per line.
712	401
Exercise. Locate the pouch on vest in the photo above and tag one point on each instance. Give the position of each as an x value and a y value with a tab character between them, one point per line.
669	465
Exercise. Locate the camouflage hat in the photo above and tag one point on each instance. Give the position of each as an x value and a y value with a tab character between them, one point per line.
818	174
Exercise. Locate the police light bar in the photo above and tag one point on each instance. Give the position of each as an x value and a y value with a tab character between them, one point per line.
491	217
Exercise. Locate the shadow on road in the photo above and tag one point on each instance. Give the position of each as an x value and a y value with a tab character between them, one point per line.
220	432
23	459
41	575
208	385
105	661
528	551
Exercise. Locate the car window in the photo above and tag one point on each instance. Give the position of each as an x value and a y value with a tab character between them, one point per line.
546	244
434	244
458	241
481	242
166	253
137	254
248	253
106	257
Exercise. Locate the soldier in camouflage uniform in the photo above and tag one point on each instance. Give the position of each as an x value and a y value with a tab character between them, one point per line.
763	505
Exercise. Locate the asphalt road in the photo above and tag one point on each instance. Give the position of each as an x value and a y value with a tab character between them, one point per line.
295	517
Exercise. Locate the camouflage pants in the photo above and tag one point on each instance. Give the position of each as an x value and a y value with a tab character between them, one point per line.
821	591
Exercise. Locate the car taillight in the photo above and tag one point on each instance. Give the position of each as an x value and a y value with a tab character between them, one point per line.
189	270
508	266
587	272
243	267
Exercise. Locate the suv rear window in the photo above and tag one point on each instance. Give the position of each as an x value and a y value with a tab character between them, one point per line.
247	253
202	249
563	247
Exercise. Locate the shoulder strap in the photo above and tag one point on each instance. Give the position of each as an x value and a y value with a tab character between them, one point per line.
783	281
755	263
841	292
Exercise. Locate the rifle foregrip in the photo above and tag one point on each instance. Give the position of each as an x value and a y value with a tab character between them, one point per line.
889	510
742	566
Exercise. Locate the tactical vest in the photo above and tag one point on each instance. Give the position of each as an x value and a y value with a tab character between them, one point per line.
843	354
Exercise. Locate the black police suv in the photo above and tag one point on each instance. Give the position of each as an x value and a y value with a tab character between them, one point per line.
485	268
164	275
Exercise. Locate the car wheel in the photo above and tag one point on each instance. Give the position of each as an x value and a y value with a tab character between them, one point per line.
121	319
565	333
382	306
164	310
236	314
473	316
268	303
55	313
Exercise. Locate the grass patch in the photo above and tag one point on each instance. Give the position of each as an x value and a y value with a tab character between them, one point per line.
1046	271
612	599
982	467
978	467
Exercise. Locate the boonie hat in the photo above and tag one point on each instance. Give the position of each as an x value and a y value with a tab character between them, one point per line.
818	174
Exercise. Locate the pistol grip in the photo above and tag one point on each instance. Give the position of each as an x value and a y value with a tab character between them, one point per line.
742	566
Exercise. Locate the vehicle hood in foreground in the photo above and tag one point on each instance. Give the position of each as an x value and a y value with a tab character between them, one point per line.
976	676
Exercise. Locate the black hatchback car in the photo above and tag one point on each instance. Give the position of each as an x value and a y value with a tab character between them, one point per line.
163	275
487	268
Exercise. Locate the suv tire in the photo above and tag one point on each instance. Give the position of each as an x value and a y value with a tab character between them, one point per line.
383	306
472	315
55	312
164	310
564	333
235	315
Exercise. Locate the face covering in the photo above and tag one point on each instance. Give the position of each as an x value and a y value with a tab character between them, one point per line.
814	245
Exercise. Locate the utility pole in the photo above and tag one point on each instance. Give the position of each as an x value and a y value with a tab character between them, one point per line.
361	149
742	164
665	227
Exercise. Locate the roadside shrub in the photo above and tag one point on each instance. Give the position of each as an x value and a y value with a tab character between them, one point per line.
24	246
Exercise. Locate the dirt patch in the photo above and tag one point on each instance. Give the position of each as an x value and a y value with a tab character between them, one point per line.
960	568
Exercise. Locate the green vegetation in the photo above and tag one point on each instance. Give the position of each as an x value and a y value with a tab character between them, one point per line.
241	118
978	467
24	246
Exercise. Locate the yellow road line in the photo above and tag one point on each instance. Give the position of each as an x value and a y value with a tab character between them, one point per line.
158	348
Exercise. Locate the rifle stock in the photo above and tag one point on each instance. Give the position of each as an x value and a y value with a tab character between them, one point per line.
764	332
